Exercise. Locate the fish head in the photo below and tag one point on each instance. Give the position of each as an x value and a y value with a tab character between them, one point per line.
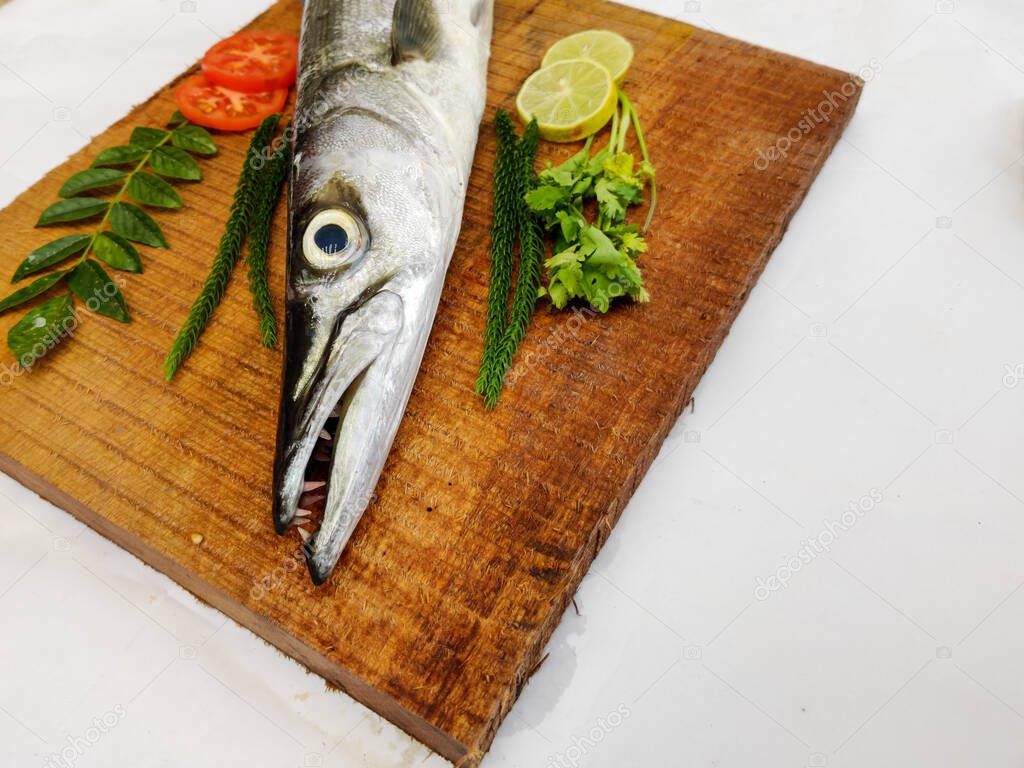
369	242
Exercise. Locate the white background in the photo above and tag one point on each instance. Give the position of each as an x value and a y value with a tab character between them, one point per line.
881	353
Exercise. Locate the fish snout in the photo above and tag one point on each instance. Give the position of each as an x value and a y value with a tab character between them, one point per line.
331	431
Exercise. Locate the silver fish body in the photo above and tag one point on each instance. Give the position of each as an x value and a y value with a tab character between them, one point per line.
390	97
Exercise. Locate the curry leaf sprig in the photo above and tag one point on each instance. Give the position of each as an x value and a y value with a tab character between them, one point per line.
594	258
237	229
138	171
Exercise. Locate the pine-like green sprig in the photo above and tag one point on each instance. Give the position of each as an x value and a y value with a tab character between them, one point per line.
259	240
504	229
228	250
531	253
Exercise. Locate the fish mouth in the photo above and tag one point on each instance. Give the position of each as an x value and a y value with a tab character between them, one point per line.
329	450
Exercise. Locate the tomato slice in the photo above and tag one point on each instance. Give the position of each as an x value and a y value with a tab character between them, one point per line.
224	109
253	61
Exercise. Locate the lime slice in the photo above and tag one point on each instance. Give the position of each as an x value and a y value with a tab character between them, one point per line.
609	49
571	99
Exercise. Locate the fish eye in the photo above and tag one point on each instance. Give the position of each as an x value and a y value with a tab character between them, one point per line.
333	239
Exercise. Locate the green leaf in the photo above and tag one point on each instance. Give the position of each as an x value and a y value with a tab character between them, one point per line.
49	254
175	164
32	290
176	119
596	289
570	224
41	329
633	243
91	283
194	138
146	137
91	178
545	198
610	205
135	224
559	296
119	156
601	250
564	258
152	190
117	252
72	209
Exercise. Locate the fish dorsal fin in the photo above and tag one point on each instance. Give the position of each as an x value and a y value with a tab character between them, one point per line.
415	30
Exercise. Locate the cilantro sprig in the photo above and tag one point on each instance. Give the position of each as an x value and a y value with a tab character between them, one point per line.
594	257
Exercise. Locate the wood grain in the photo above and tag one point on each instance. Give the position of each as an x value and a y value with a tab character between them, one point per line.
483	524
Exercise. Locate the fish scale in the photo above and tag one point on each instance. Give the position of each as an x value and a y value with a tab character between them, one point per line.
390	97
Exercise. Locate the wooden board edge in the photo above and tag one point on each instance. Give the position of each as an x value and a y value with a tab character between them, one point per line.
334	675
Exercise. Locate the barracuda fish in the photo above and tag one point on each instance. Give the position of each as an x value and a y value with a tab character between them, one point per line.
390	97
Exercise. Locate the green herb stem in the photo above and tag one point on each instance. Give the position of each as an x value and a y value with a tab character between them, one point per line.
504	230
228	251
259	240
531	254
634	117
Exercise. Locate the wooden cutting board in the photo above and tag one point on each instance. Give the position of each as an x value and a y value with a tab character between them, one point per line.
484	523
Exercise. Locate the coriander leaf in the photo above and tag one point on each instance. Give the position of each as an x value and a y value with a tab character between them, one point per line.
133	223
91	178
581	187
176	119
49	254
119	156
194	138
72	209
117	252
546	198
147	137
596	290
175	164
560	177
152	190
570	224
559	296
571	277
608	201
633	243
91	283
31	290
41	329
570	255
601	250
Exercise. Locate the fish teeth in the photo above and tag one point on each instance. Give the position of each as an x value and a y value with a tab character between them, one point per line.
312	485
306	535
325	435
